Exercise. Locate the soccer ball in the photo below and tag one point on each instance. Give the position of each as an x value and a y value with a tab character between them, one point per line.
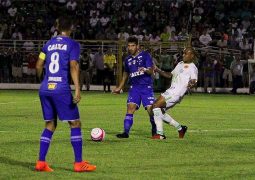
97	134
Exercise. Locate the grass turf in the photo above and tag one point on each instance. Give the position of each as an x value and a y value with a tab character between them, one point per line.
219	143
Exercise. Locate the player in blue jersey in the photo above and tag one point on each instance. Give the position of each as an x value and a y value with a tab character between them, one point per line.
60	58
138	68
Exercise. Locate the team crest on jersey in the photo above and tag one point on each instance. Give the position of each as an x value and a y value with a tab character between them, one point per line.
52	86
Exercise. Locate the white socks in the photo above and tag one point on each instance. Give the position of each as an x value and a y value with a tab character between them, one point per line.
158	120
167	118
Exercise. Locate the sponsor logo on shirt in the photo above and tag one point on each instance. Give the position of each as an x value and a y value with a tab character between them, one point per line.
137	73
57	47
52	86
55	79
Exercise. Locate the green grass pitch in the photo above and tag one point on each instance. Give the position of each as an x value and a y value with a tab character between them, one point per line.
220	143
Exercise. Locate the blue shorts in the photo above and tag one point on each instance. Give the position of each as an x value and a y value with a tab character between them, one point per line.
59	105
141	93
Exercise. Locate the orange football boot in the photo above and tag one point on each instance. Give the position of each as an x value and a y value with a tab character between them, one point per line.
43	166
84	166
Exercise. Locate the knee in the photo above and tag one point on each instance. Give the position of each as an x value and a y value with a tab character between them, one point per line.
75	124
51	125
157	112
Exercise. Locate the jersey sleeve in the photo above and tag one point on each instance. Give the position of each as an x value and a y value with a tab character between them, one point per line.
148	60
194	73
75	52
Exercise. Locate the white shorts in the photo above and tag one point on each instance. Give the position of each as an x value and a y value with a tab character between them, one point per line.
227	75
171	99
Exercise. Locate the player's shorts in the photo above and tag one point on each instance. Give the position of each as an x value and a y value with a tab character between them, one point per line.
59	105
171	99
227	75
141	93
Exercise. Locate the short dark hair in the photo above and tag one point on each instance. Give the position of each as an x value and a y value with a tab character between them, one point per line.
132	39
64	23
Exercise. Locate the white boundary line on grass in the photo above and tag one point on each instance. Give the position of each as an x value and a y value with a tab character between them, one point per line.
219	130
192	131
15	102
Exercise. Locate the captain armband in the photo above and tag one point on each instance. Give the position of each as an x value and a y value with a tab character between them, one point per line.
42	56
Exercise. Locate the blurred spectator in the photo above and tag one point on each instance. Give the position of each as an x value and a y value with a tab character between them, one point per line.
109	69
28	45
205	38
167	66
71	5
17	66
17	35
237	72
85	68
122	35
12	11
78	34
222	43
104	20
252	80
93	21
31	72
209	74
227	74
99	65
165	36
6	3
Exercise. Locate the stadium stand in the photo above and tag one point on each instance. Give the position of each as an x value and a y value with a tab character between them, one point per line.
220	29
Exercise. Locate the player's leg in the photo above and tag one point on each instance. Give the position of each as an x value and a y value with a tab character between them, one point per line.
128	120
76	141
147	97
50	118
133	104
180	128
153	124
158	115
68	111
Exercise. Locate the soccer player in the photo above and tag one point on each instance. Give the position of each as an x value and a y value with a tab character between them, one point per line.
184	77
138	68
60	57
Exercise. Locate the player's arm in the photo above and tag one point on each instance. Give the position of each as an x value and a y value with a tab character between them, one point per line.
163	73
122	83
40	64
146	70
74	70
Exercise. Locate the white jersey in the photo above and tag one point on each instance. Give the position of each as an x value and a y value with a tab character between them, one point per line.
182	74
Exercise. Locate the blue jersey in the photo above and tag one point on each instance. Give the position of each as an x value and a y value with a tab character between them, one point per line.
59	52
132	64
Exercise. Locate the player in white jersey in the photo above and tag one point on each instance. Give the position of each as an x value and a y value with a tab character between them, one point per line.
184	77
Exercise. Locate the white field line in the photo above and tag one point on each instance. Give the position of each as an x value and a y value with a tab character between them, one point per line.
192	131
219	130
15	102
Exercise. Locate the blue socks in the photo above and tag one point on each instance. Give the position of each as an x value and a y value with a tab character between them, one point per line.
128	122
76	141
153	126
45	143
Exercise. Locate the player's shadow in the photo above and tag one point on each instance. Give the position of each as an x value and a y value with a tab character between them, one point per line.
13	162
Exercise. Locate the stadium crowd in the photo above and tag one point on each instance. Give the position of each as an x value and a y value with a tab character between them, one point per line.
225	24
